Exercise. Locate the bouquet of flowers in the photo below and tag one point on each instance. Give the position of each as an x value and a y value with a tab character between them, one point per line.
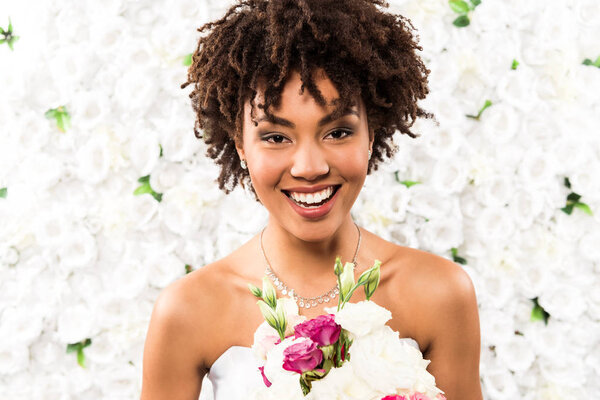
347	354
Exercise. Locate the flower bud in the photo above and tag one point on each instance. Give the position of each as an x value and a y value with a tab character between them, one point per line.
268	313
338	266
269	295
255	291
371	279
347	280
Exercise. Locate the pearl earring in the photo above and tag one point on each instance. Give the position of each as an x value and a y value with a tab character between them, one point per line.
243	164
369	154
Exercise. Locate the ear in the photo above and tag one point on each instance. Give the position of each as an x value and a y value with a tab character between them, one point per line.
240	151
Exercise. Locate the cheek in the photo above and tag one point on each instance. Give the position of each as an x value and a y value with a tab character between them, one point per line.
266	172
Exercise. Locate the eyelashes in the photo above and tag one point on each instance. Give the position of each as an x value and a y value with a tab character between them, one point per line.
336	134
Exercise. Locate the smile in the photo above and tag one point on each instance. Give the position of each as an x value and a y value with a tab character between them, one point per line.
312	204
314	199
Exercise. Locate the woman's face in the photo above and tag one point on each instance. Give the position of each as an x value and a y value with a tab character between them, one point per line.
306	169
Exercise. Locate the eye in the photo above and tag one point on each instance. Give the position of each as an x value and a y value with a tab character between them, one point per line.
276	138
340	133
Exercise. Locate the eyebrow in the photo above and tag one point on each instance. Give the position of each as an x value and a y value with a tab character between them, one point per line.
323	121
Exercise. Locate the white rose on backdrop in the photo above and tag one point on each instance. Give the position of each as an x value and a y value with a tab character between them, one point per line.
127	279
427	202
254	216
29	132
499	124
21	324
496	326
499	383
573	227
165	175
13	358
182	209
94	159
360	318
564	368
495	223
118	381
135	92
498	285
516	354
87	285
143	150
525	206
538	168
496	191
140	52
441	234
77	249
173	39
107	33
588	245
163	268
143	209
491	16
75	323
442	142
177	138
71	64
562	300
103	350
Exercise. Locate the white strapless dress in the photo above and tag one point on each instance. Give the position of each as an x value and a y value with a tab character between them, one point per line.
235	373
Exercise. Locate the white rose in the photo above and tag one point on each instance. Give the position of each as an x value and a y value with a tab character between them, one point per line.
427	202
165	175
134	92
163	268
525	207
449	175
93	159
20	324
562	300
440	235
118	380
77	250
494	223
127	278
31	132
144	151
500	383
75	323
342	383
516	354
361	318
13	358
387	364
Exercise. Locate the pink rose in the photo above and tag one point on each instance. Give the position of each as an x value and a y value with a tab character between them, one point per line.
265	380
419	396
394	397
302	357
322	330
440	397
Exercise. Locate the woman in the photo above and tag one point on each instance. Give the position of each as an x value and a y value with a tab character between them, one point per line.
298	100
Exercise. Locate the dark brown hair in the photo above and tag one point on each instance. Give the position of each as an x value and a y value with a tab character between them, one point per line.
364	52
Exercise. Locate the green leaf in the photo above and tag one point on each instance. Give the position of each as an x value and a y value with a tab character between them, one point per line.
2	41
145	188
567	183
51	113
514	65
459	6
567	209
73	347
573	197
144	179
475	3
461	21
161	150
9	25
456	258
538	313
3	192
587	61
80	357
188	268
2	32
584	207
187	60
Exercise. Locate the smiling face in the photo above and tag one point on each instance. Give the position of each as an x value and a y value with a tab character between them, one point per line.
306	169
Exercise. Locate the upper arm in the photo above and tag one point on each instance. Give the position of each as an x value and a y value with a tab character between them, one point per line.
171	368
455	345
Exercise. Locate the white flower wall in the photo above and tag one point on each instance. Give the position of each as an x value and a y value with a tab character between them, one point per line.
106	196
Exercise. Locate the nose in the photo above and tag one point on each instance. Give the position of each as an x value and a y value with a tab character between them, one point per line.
309	163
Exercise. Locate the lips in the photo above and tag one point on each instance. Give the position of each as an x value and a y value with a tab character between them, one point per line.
312	204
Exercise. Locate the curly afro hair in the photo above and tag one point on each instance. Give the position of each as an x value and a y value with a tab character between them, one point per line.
363	50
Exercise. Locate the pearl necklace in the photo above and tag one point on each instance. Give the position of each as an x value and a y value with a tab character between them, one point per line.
306	302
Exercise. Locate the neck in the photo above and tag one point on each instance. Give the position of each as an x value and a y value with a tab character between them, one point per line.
307	265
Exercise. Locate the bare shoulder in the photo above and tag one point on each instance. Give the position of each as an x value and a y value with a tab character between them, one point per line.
180	336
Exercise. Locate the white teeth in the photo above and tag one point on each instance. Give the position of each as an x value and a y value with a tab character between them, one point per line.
312	198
